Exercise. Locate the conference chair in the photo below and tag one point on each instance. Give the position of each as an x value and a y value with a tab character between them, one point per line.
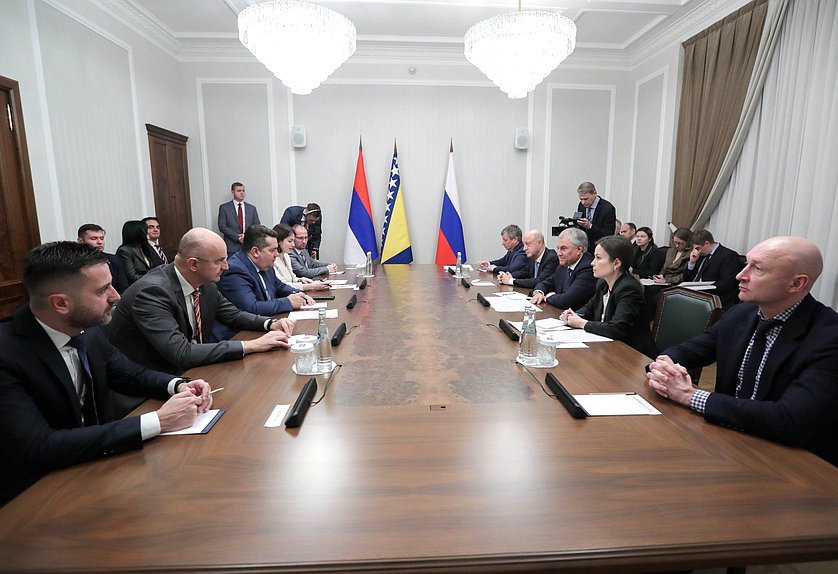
682	314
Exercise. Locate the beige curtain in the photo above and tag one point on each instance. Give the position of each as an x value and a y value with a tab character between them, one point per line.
718	63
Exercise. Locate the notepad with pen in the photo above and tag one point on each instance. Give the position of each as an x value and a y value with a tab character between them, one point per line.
600	404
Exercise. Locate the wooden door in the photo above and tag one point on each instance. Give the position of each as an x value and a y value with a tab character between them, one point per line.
170	179
18	218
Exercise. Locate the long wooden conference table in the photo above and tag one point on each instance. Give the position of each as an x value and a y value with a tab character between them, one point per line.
431	450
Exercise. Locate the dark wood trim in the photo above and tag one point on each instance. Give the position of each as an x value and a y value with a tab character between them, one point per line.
166	134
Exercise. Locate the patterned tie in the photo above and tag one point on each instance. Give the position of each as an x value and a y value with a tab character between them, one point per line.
88	404
749	371
196	305
589	213
161	253
535	269
241	218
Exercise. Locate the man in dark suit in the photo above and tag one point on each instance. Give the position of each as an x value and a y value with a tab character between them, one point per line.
311	217
515	259
599	218
250	282
711	261
94	235
777	354
57	369
573	283
235	216
165	320
158	255
541	263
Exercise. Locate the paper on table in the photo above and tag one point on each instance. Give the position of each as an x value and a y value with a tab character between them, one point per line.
481	283
303	315
698	285
579	336
202	425
337	281
610	404
650	282
511	295
336	272
277	416
343	286
506	305
572	346
320	305
549	324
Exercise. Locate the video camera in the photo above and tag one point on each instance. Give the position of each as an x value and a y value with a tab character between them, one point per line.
566	223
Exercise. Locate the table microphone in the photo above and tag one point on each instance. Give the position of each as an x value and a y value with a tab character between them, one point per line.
300	408
508	329
451	271
466	283
339	333
362	284
351	303
569	401
482	300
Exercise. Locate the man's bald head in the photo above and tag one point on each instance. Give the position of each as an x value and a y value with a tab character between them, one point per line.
197	241
797	255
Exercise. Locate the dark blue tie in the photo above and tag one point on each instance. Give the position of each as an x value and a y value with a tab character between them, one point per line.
88	406
269	292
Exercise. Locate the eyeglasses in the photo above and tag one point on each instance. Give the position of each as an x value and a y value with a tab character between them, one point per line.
216	262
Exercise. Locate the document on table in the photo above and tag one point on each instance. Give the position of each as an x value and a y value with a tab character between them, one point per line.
507	305
549	324
578	336
648	282
482	283
321	305
698	285
202	425
343	286
277	416
615	404
336	273
511	295
303	315
337	281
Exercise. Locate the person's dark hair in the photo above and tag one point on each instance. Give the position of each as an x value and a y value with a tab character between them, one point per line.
257	236
512	231
702	236
89	227
150	218
647	231
312	208
632	226
684	234
617	247
51	265
135	234
282	231
236	184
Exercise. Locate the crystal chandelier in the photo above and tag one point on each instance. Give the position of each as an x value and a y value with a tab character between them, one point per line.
518	50
300	42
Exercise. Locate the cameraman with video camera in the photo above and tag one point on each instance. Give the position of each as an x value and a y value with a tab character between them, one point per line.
598	214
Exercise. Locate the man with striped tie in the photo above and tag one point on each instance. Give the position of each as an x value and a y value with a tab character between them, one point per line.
157	252
165	320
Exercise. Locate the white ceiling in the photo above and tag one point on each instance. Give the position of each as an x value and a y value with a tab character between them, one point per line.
610	33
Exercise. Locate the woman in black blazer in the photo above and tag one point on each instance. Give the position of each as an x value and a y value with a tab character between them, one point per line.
647	259
615	310
135	251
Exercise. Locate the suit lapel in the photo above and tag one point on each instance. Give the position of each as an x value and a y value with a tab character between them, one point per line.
177	293
794	329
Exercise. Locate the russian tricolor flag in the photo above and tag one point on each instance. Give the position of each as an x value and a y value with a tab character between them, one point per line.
360	231
451	239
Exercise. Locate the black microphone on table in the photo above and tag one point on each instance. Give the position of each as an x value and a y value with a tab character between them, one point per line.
362	284
508	329
569	401
339	333
466	283
301	406
451	271
482	300
351	303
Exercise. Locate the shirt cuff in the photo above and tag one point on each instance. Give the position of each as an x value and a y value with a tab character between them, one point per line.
698	402
172	388
149	425
268	324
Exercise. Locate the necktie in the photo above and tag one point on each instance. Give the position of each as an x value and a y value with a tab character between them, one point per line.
749	371
567	279
160	252
196	305
535	269
701	267
241	219
88	404
589	214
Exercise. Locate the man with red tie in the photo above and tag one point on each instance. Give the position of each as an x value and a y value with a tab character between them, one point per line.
235	216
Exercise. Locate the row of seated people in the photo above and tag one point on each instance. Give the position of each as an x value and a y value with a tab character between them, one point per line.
777	352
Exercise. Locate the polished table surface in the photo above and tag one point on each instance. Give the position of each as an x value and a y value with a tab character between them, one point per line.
431	449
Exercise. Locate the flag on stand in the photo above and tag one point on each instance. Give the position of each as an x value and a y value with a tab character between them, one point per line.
360	231
451	239
395	238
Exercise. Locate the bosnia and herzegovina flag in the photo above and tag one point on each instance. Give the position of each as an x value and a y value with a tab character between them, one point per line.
451	239
360	231
395	238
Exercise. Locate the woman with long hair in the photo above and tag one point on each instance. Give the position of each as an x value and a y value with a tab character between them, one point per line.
135	251
616	309
647	259
282	264
677	257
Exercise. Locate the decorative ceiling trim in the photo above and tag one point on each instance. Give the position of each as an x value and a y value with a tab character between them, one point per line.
142	23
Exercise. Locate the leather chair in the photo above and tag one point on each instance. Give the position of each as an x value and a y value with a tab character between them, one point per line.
682	314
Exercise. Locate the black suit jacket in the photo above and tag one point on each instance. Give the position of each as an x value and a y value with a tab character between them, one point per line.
721	267
797	398
134	262
118	278
603	223
623	315
579	289
293	215
524	276
40	414
151	324
512	261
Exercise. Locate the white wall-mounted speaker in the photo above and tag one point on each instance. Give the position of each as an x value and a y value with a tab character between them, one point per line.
522	138
298	136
